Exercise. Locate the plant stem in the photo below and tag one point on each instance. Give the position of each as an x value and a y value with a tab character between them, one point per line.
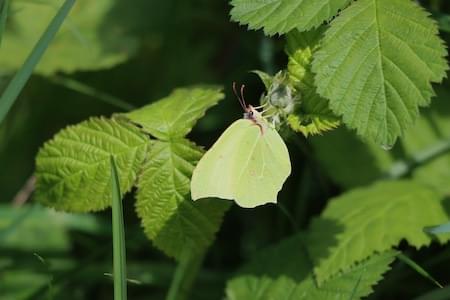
404	167
21	77
185	274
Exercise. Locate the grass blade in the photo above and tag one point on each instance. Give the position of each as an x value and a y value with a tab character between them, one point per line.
19	80
119	254
4	7
418	268
444	228
85	89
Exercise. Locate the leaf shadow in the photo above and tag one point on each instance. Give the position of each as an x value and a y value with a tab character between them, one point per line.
292	258
323	237
191	227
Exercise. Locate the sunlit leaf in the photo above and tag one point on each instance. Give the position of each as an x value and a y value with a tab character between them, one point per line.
73	169
284	271
368	66
372	219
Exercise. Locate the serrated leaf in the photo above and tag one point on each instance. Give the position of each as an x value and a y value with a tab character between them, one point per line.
169	217
175	115
368	62
311	125
281	16
81	44
284	271
313	115
372	219
73	169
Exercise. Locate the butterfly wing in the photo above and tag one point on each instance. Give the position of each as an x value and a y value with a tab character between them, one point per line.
243	165
263	174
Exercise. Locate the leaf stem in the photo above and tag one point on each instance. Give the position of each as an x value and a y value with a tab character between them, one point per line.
185	274
403	167
21	77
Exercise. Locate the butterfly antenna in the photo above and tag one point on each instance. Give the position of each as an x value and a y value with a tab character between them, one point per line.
242	95
241	101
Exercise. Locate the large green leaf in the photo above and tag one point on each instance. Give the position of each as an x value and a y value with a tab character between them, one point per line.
281	16
313	116
368	66
373	219
73	169
82	43
175	115
169	217
285	272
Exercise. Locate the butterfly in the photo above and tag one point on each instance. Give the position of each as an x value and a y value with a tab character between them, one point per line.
249	163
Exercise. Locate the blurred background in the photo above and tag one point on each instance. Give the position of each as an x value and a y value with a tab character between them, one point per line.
147	48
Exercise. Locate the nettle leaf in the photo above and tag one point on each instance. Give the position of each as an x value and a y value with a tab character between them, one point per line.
169	217
85	41
281	16
285	272
313	115
175	115
368	62
73	169
373	219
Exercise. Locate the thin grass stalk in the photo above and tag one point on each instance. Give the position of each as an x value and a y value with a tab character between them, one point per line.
19	80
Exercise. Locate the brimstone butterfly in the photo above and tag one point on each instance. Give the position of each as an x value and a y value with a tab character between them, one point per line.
248	164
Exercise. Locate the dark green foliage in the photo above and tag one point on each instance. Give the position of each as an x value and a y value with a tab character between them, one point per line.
350	209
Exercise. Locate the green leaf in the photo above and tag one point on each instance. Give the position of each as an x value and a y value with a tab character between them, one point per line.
82	44
281	16
313	116
284	271
265	78
368	62
372	219
175	115
73	169
119	251
20	226
169	217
